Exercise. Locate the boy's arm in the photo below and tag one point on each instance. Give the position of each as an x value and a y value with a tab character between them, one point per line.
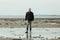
33	16
26	16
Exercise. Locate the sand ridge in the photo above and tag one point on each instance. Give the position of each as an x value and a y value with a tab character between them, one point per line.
38	22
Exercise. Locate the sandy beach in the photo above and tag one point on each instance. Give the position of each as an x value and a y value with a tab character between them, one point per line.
38	22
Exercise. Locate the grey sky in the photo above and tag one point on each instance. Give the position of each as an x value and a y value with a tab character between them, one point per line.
19	7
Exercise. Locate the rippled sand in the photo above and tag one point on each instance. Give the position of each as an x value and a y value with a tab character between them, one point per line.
38	22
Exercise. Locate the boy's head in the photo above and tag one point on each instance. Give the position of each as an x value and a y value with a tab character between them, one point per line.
29	9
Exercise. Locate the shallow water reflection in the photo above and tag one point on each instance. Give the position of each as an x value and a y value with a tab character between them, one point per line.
37	33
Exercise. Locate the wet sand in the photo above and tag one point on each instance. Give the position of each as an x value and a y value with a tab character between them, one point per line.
38	22
37	33
21	39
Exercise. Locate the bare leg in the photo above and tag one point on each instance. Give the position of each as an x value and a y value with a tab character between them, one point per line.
27	29
30	27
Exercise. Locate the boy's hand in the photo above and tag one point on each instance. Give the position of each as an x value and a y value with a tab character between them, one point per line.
26	22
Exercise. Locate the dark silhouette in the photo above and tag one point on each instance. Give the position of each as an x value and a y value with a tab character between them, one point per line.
28	36
29	17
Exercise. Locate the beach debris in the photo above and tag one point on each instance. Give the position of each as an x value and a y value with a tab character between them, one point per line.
17	39
58	37
36	37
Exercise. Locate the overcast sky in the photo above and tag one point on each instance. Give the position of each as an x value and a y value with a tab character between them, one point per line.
19	7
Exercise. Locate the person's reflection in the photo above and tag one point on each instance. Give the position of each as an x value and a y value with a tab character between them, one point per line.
30	36
27	36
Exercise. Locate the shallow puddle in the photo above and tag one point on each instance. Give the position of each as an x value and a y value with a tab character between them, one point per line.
37	33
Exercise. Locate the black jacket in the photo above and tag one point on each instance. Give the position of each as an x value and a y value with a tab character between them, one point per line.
29	16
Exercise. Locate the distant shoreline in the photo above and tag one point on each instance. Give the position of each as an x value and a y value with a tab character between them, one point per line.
36	16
